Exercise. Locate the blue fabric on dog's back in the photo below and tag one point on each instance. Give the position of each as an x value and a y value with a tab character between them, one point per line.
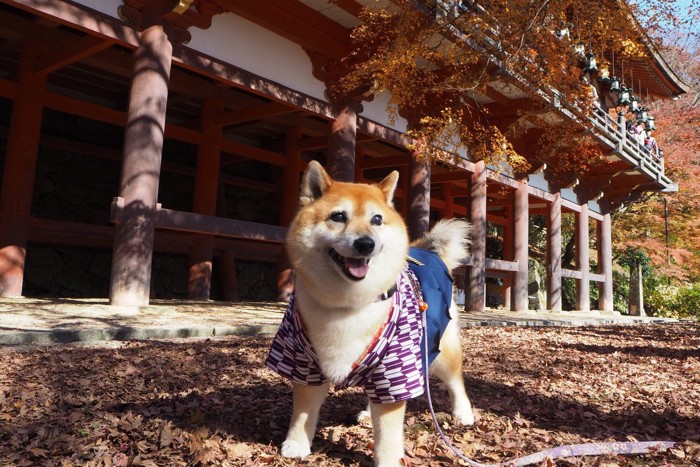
436	282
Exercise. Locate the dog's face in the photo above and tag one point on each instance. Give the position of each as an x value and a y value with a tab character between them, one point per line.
347	241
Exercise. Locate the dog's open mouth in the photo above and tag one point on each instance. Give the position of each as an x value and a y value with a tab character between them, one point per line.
355	268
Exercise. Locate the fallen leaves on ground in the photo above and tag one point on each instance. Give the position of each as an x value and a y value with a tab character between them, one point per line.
212	402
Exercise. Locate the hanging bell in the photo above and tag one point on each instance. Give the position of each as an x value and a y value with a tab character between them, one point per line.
643	114
650	124
563	32
634	104
624	97
615	84
591	65
580	48
604	75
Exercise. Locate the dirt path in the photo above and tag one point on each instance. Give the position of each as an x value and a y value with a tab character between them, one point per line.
212	402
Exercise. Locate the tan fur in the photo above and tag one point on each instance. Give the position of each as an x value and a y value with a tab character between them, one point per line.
339	308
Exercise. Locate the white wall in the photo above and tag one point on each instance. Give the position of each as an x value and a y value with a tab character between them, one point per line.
248	46
108	7
252	48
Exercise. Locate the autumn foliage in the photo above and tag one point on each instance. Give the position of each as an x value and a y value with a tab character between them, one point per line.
666	226
437	58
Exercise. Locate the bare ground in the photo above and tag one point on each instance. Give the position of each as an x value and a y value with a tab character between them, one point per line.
212	402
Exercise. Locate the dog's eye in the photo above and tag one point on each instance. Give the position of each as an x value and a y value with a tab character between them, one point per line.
377	220
339	217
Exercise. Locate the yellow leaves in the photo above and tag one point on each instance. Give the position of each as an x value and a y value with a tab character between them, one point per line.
633	48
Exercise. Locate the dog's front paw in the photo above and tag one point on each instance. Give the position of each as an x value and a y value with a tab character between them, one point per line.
295	449
364	417
464	416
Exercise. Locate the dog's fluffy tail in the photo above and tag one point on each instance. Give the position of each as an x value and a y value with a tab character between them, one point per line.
449	238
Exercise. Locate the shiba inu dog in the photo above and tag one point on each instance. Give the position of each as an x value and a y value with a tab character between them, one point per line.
355	316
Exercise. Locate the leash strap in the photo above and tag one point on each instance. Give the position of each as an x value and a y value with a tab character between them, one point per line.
560	452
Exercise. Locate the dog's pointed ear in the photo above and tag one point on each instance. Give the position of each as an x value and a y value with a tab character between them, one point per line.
314	183
388	186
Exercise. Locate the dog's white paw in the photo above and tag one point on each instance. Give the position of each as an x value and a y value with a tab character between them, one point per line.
464	416
294	449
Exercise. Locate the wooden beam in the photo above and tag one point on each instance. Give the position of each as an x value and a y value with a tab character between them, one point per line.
454	176
593	277
501	265
570	273
386	162
497	96
198	223
82	18
71	53
251	152
320	142
298	23
351	6
258	112
82	235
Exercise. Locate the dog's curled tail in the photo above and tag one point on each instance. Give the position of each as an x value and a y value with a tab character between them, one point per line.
449	238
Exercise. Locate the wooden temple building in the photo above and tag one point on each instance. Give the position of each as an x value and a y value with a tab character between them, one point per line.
157	120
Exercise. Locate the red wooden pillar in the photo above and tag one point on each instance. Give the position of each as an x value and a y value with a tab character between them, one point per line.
140	176
448	211
405	182
290	200
475	292
20	169
418	199
605	264
341	147
359	161
227	264
508	254
521	218
583	299
206	188
288	209
554	254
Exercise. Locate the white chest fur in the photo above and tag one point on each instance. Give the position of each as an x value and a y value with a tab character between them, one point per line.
340	336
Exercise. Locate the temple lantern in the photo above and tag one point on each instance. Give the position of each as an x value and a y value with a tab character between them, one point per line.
604	75
563	31
615	84
642	115
650	123
624	96
634	104
591	65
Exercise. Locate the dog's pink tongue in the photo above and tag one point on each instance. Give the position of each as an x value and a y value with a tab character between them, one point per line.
358	267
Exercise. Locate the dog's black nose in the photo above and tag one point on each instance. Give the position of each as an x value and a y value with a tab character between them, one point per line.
364	245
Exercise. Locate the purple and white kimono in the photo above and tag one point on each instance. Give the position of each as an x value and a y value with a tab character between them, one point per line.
390	371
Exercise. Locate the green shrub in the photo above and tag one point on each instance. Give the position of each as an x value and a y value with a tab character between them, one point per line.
673	301
659	300
621	289
687	301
